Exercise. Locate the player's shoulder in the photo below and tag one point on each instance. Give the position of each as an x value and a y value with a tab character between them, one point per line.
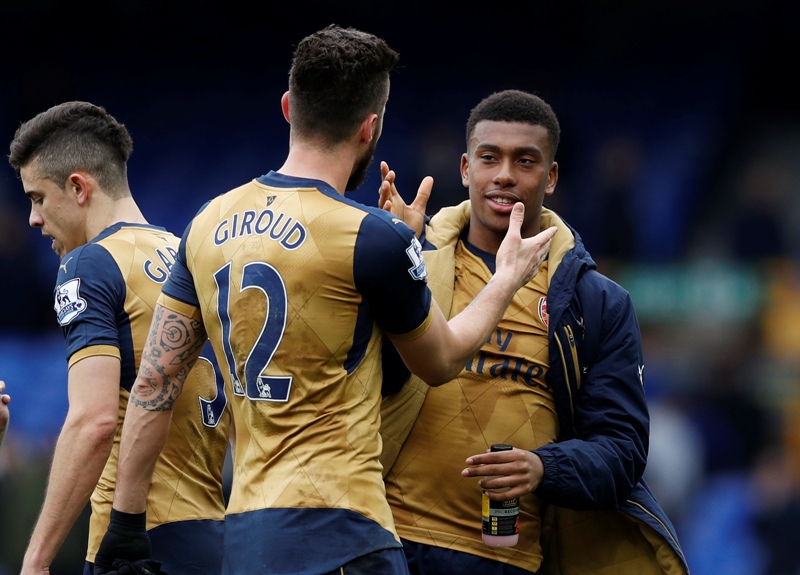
385	222
89	259
115	247
213	208
127	236
87	273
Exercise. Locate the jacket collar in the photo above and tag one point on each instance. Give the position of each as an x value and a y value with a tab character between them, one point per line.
446	226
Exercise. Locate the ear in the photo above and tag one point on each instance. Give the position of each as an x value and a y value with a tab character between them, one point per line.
465	170
552	180
285	105
80	184
367	130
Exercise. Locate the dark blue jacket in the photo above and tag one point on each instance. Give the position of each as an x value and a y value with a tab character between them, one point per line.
596	372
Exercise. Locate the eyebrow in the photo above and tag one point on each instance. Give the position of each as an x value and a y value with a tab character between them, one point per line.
532	150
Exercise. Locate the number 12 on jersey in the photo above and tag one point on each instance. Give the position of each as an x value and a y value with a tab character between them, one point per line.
256	385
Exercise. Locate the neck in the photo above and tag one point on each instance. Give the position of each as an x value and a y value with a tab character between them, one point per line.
332	166
113	212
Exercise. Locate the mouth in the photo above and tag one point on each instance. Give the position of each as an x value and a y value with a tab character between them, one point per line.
503	202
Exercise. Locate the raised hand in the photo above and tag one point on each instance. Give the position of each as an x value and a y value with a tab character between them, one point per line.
390	200
518	257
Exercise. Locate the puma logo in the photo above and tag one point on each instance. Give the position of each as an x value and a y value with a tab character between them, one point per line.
64	265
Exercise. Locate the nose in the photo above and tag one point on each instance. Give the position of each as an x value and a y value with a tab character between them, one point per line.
505	173
35	219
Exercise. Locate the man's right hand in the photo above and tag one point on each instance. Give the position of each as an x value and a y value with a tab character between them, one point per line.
390	200
125	538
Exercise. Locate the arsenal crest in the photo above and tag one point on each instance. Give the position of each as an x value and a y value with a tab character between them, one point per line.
543	311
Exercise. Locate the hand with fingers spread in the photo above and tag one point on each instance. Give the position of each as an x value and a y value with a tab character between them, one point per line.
390	200
521	257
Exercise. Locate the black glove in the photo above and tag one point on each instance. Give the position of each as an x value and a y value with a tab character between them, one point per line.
126	538
139	567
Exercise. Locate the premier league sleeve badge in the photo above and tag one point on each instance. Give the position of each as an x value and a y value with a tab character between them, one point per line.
68	302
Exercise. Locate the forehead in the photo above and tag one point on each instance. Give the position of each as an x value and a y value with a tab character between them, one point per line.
510	135
33	182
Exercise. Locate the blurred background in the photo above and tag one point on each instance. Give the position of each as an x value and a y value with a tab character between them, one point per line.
679	166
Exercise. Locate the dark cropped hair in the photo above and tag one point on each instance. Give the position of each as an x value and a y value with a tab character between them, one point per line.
338	76
516	106
75	136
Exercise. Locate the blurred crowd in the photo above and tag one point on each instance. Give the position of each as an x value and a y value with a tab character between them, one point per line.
687	197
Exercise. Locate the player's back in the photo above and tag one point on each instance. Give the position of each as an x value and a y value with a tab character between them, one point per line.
105	298
286	273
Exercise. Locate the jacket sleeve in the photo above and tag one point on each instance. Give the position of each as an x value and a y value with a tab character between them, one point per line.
599	467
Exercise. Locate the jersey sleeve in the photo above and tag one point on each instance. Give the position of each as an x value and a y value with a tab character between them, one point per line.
180	284
89	302
390	274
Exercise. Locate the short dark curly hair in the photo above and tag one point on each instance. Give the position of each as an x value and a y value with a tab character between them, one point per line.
338	76
516	106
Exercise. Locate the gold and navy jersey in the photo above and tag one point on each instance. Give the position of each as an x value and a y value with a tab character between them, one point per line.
104	300
295	284
501	396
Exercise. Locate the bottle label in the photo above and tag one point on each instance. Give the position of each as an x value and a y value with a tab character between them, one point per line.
500	517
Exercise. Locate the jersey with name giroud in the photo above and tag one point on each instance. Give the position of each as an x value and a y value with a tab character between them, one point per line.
104	298
295	283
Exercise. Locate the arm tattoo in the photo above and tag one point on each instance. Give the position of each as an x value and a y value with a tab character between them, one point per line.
173	346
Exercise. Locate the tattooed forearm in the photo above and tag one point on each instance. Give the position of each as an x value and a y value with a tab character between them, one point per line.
177	335
173	345
155	390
